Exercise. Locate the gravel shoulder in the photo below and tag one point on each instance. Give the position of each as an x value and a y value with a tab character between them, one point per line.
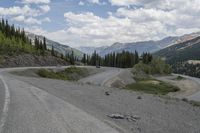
33	110
187	85
157	114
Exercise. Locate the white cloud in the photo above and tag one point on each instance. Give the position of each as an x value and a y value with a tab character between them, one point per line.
16	10
98	2
122	2
26	13
104	31
36	1
81	3
30	20
94	1
144	20
45	8
155	19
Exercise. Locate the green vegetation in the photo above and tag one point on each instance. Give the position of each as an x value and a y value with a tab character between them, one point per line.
152	86
14	41
124	59
187	69
180	78
178	55
51	74
71	73
156	66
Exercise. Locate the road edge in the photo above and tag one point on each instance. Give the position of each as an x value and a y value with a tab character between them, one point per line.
6	105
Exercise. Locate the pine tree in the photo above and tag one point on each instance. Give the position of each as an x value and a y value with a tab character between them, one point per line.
52	51
44	42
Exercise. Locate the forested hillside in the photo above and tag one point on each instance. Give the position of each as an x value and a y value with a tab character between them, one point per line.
14	43
178	55
189	50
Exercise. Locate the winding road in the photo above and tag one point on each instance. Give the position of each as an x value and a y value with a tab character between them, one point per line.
38	105
28	109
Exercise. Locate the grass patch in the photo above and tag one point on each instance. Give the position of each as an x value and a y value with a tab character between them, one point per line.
71	73
180	78
45	73
152	86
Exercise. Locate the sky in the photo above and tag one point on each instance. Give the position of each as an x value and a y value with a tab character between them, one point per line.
103	22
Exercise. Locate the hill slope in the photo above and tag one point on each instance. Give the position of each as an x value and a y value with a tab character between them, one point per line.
189	50
63	49
16	49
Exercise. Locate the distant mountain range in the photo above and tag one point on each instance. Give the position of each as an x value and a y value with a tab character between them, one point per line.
61	48
181	52
145	46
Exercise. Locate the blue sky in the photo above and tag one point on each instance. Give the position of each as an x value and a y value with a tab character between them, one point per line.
103	22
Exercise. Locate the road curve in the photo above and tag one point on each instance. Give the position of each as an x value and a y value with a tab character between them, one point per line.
103	77
40	105
195	96
32	110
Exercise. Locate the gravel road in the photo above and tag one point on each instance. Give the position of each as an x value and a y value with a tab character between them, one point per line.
190	86
101	78
39	105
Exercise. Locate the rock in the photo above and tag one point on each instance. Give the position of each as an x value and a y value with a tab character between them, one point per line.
127	117
107	93
116	116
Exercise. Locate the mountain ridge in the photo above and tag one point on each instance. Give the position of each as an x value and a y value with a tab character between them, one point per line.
143	46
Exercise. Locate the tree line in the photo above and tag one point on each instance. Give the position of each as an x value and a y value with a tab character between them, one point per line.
14	41
187	69
124	59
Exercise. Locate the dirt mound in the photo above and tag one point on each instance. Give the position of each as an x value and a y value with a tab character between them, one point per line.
31	60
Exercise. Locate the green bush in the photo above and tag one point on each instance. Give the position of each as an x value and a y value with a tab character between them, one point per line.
156	66
148	86
51	74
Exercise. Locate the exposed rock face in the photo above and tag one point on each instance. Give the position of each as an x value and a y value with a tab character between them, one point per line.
31	60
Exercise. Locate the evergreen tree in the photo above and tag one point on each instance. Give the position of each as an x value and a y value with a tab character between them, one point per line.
72	58
84	59
52	51
44	42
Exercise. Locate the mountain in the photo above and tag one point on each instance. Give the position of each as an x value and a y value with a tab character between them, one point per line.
61	48
188	50
144	46
90	50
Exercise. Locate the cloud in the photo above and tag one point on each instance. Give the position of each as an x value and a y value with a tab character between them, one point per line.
16	10
95	30
36	1
45	8
94	1
81	3
133	20
31	20
146	20
27	14
122	2
98	2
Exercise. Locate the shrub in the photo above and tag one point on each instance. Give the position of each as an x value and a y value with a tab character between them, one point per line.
156	66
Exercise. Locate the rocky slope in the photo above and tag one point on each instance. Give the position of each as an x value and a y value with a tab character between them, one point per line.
28	60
